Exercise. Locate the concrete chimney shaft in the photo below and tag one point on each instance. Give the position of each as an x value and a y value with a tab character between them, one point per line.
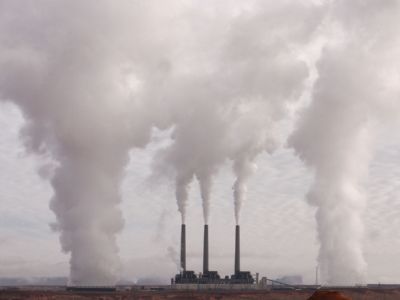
237	250
205	250
183	248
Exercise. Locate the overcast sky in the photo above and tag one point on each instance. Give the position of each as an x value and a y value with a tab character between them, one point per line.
190	89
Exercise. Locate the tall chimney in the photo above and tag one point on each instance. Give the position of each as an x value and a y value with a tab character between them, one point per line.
205	250
183	248
237	250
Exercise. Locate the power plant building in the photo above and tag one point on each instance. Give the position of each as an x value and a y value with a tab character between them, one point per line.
211	277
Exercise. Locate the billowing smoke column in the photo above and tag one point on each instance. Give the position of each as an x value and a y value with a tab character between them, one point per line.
235	115
334	133
333	140
60	70
272	79
196	151
243	169
182	195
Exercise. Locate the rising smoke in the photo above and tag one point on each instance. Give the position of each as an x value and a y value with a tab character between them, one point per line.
221	76
335	133
231	102
68	77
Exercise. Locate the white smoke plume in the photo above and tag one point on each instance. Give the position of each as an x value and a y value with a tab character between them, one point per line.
231	101
335	133
196	152
67	65
243	169
267	75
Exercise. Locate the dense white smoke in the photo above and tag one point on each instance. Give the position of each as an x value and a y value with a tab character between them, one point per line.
66	65
90	91
335	133
92	79
196	151
231	101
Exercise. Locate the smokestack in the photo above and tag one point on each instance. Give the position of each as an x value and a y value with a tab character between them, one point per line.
237	250
205	250
183	248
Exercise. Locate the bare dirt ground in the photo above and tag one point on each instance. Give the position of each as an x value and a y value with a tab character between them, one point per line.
353	294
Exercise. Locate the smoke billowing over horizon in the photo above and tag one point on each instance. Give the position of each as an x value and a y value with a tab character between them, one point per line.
227	81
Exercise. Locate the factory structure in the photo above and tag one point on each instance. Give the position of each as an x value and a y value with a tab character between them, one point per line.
211	277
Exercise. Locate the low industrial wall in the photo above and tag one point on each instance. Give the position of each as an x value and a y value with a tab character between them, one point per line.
242	287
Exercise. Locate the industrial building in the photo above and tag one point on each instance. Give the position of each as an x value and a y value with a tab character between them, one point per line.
207	276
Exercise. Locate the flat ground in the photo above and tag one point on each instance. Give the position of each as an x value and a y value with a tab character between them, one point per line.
354	294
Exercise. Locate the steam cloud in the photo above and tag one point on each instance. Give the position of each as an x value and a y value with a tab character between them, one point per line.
230	109
222	77
69	84
335	133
